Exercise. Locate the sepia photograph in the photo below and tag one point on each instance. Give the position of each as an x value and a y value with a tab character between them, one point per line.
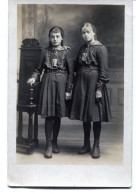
70	71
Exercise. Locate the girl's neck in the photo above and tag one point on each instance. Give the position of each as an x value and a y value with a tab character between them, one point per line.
56	47
91	42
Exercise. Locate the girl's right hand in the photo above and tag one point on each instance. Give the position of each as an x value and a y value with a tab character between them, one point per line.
98	94
68	95
31	81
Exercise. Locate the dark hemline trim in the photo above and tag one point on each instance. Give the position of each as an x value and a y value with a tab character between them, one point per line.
91	120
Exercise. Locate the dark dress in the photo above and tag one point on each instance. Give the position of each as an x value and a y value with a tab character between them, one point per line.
92	74
57	79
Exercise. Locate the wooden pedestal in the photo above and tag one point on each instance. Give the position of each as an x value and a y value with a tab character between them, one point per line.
28	95
26	145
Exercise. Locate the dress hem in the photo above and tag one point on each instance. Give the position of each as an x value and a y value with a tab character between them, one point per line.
89	119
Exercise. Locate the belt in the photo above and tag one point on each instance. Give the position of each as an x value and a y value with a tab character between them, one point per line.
55	71
90	68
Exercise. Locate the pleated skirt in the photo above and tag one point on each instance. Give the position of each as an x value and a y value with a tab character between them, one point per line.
84	106
52	96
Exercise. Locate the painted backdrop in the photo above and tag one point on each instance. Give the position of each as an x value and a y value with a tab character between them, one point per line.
34	21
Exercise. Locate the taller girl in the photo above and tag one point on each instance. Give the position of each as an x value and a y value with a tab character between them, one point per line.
90	100
56	86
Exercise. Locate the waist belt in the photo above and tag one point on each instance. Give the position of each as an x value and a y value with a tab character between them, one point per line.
89	68
56	71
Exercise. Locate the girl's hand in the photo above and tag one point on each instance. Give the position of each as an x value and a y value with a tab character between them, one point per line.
68	95
31	81
98	94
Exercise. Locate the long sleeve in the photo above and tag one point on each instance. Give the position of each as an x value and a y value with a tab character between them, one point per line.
103	66
77	61
37	72
70	69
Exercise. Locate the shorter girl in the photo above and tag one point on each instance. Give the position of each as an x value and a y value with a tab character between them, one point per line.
56	86
90	100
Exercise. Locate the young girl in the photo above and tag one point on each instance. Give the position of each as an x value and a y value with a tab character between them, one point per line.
56	86
90	99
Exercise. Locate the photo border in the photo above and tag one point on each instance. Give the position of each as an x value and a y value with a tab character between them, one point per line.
72	176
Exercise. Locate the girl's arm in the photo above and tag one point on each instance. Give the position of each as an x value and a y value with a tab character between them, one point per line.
70	69
37	72
103	67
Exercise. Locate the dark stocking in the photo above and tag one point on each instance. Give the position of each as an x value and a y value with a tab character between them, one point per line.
97	130
87	129
56	128
48	132
86	146
49	128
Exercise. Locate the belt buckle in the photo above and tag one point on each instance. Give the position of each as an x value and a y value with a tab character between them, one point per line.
88	69
91	68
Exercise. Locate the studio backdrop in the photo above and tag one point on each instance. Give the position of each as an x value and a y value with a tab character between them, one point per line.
34	21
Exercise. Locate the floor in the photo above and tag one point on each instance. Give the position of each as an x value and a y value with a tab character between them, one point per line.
71	139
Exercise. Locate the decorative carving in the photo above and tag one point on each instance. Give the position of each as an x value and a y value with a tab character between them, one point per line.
28	95
30	43
31	94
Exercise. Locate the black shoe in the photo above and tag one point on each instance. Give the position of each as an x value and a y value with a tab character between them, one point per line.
48	150
84	149
96	150
55	148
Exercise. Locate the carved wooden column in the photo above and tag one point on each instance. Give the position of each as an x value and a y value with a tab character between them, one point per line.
28	96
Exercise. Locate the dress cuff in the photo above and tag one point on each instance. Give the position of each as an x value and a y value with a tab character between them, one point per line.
69	88
99	85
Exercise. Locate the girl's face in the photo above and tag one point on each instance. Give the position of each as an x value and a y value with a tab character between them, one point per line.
56	38
87	34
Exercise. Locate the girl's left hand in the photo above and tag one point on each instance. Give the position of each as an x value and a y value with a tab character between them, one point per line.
98	94
68	95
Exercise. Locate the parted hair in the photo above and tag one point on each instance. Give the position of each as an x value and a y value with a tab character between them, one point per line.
56	29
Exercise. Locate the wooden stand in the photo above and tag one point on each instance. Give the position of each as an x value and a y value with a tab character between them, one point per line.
26	145
28	96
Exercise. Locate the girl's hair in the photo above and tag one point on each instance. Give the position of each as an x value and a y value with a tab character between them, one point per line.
56	29
89	25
